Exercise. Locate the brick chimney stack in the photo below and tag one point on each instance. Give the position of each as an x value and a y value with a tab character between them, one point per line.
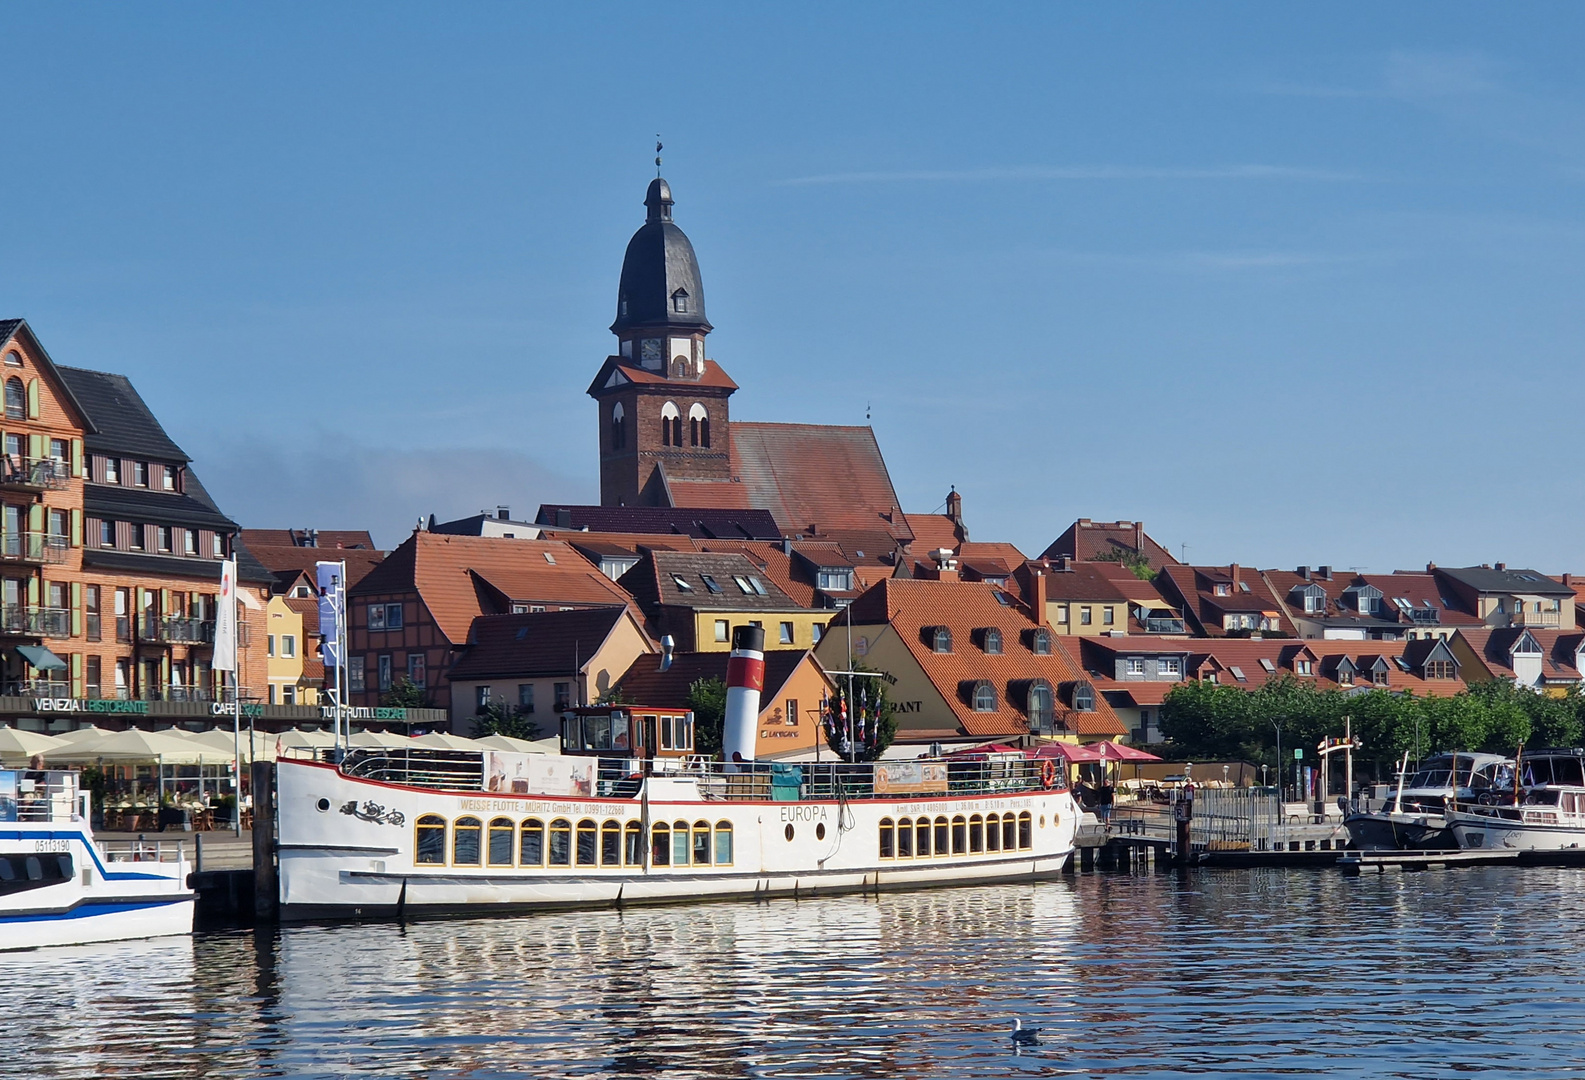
1232	572
1037	591
1139	537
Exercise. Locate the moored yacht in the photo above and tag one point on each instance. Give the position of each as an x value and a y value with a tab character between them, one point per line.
1536	804
59	887
1416	817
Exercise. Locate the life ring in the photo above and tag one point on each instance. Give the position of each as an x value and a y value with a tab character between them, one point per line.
1048	773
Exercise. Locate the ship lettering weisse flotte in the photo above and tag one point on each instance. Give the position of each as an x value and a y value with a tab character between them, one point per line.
628	813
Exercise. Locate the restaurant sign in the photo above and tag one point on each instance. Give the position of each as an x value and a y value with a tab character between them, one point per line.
90	705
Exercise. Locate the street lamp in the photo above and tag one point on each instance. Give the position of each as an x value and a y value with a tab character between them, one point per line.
1278	725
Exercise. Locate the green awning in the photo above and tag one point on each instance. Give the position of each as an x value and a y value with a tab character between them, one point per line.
41	658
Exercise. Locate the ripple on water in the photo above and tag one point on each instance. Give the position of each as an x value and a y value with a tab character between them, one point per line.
1255	974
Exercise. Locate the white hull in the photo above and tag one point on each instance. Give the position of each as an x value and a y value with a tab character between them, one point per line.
1479	832
98	901
333	862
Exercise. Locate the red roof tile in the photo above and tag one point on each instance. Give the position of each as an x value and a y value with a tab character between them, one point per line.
1088	541
819	475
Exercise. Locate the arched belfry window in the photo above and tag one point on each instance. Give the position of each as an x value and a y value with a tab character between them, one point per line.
679	301
670	425
698	425
16	399
618	426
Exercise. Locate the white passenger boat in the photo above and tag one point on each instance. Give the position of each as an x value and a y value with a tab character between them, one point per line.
59	887
1537	804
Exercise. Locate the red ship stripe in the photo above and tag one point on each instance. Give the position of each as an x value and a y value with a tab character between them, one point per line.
745	671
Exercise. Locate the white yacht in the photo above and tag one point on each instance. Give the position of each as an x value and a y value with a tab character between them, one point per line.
1536	804
1415	818
59	887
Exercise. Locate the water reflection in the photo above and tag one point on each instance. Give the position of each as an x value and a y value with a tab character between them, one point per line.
1154	975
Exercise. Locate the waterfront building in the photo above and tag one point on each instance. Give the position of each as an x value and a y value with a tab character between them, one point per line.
410	614
1109	541
977	560
1076	598
1547	661
543	664
1218	601
110	553
295	671
699	597
790	700
1501	597
972	662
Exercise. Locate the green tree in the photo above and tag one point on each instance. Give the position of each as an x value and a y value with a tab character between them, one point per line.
497	718
404	695
1137	564
707	699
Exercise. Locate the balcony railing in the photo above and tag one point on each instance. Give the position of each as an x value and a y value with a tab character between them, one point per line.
176	629
36	473
33	547
35	621
1164	626
1538	619
38	688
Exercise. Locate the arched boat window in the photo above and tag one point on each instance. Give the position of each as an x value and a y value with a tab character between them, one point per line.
960	835
1009	833
888	840
588	842
633	850
976	834
531	843
465	841
943	837
922	837
561	842
660	844
1026	837
430	848
993	832
679	844
502	833
905	838
611	844
701	843
723	843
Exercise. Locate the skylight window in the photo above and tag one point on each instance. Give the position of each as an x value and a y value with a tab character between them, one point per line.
1238	673
550	558
709	583
1243	586
759	586
683	585
742	584
1267	665
1001	597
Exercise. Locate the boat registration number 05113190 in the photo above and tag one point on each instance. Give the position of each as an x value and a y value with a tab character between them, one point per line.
52	845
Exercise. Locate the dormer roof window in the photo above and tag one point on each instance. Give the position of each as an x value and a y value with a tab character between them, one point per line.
679	302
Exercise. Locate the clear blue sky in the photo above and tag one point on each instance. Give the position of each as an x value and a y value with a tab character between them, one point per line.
1294	285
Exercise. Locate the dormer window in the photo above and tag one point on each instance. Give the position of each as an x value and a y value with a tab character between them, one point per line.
832	580
621	308
993	641
984	697
1222	589
941	640
1378	677
1301	666
1038	706
1083	697
679	301
1040	642
1439	669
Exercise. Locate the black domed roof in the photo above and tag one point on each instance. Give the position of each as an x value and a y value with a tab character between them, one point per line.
660	284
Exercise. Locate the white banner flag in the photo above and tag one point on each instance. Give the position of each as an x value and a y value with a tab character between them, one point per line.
331	577
226	619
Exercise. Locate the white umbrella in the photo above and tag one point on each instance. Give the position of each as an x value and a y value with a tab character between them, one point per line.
84	733
441	740
223	740
303	738
19	743
380	740
136	745
506	742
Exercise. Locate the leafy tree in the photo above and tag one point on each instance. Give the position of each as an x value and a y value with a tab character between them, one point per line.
707	699
1137	564
498	718
404	695
874	697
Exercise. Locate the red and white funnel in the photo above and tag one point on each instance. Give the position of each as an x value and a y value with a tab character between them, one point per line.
745	678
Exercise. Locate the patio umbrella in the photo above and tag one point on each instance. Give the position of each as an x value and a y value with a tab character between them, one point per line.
506	742
303	738
441	740
84	733
18	743
380	740
137	745
1116	751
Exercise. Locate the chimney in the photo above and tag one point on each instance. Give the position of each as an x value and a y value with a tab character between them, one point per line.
1430	567
946	568
503	513
667	646
1085	522
1037	590
1139	537
1567	579
1304	572
786	545
1232	572
313	538
1324	573
1500	566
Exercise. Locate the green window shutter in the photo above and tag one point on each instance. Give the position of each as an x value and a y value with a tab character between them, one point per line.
77	458
165	601
33	399
36	517
77	610
77	528
35	446
33	591
77	674
165	670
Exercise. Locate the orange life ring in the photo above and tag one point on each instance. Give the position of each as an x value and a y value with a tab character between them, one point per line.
1048	773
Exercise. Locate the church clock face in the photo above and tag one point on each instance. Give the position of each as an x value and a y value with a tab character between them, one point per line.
652	353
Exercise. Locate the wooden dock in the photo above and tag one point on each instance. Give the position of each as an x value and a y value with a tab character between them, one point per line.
1355	863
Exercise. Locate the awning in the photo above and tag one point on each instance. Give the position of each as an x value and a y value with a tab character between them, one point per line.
41	658
1094	752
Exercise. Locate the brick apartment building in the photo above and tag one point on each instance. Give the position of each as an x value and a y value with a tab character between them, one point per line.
110	549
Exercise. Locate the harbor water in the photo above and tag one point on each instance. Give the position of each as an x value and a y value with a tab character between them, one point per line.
1257	973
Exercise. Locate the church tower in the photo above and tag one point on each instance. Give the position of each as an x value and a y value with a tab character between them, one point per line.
663	406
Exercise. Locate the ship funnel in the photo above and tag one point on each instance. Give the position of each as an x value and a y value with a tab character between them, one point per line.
745	678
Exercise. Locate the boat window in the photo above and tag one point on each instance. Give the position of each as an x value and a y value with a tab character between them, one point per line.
611	844
531	843
588	842
502	832
905	838
976	834
960	835
1009	833
943	837
723	843
561	842
465	842
431	845
888	846
701	843
679	844
1026	837
684	732
633	852
922	837
993	832
660	844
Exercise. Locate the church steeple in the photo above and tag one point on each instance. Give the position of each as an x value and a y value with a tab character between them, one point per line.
660	318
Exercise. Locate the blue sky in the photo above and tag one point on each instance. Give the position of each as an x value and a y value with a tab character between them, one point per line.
1293	285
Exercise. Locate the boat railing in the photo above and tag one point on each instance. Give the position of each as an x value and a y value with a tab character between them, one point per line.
41	795
140	850
445	770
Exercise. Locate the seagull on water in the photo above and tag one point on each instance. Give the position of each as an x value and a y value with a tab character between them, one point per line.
1023	1036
